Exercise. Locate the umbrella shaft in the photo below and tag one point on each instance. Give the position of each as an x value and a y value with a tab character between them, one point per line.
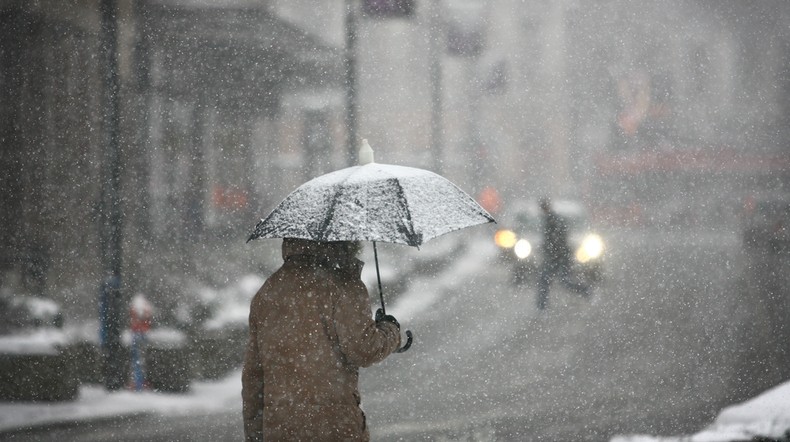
378	276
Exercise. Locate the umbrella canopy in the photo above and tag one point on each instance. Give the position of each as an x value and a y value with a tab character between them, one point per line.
373	202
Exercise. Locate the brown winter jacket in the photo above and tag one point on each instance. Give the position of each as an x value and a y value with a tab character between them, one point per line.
310	331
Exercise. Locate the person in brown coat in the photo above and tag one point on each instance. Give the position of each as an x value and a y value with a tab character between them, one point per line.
310	332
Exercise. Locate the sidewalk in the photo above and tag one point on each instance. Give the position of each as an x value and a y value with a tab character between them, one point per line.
222	396
95	403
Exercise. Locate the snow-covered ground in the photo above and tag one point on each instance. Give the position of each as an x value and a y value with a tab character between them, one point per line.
94	402
766	415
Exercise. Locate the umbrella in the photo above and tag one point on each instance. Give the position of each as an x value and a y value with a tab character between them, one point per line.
373	202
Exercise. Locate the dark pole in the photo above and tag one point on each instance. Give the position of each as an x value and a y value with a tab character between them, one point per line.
351	82
436	42
110	302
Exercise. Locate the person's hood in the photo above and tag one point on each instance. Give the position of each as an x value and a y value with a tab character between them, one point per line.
332	254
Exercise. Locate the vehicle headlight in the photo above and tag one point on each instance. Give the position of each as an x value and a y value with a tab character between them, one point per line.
505	238
591	248
522	249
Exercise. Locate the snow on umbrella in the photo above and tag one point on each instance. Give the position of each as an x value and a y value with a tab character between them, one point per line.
373	202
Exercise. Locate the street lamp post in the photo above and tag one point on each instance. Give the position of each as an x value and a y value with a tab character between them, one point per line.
391	9
351	81
436	42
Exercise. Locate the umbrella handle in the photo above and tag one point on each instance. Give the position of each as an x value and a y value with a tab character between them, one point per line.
409	337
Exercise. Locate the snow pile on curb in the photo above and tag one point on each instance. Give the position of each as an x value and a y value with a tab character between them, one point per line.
766	416
232	303
41	341
96	403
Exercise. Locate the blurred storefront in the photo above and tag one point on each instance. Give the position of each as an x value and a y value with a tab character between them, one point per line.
208	95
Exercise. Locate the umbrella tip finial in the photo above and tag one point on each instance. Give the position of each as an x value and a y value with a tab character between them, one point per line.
365	153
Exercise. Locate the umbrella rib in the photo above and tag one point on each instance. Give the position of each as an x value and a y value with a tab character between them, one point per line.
330	214
412	236
330	211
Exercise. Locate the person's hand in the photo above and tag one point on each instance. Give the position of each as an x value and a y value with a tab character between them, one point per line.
381	317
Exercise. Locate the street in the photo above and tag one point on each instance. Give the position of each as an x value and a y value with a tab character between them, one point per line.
658	350
654	352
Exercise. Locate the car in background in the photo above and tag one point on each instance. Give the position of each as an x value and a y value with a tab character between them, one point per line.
766	224
520	238
36	360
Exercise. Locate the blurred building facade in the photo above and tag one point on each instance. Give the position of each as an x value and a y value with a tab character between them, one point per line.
207	94
563	98
227	106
